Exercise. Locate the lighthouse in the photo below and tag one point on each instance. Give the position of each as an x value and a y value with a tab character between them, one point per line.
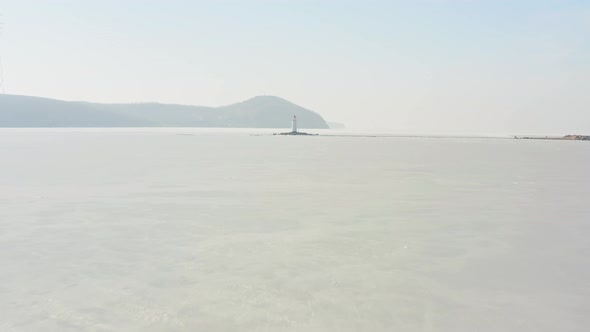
294	130
294	125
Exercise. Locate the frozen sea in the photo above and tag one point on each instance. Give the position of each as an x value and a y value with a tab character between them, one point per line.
237	230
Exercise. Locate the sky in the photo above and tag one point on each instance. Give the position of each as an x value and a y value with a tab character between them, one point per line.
420	66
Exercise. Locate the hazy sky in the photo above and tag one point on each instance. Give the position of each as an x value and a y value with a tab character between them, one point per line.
453	66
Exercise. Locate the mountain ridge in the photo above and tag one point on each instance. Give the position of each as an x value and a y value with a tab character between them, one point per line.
257	112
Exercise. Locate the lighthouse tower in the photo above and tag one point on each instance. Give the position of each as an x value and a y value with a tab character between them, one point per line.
294	130
294	125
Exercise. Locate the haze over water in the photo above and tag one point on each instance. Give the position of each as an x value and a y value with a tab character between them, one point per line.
186	229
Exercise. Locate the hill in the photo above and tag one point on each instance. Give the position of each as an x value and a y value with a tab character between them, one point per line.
258	112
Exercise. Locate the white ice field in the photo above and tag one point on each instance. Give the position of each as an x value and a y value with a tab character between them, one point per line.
206	230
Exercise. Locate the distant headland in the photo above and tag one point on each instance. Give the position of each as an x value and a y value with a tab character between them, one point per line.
258	112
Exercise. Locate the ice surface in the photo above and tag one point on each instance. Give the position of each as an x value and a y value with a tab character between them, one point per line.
205	230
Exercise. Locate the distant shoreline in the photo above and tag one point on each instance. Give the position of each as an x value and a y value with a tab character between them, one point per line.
563	138
548	138
321	133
